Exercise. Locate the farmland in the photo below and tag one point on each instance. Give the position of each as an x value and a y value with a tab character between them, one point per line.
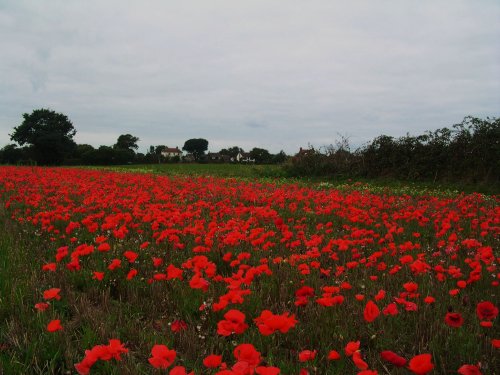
127	272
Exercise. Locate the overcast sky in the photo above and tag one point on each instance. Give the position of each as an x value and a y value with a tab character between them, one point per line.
272	74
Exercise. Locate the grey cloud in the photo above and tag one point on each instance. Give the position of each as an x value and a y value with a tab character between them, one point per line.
252	73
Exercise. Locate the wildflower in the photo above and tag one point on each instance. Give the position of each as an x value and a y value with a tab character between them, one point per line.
371	311
162	357
212	361
307	355
178	325
393	358
358	361
54	325
469	370
454	320
52	293
267	370
486	310
351	347
234	322
41	306
333	355
268	323
421	364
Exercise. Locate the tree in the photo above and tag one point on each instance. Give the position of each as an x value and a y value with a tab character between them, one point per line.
11	154
82	149
124	148
231	151
260	155
126	142
280	157
158	152
197	147
49	133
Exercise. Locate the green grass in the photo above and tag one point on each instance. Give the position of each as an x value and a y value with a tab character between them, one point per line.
24	347
217	170
278	174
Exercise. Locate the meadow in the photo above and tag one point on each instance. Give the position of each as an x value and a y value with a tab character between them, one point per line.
149	271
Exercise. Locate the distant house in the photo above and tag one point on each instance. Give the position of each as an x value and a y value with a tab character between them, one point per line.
215	157
304	152
189	158
244	157
170	152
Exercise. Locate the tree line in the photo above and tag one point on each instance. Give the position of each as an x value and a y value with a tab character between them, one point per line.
46	138
467	152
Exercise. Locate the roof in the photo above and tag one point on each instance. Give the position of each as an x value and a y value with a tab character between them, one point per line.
172	150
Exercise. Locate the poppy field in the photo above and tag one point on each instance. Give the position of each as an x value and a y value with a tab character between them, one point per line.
132	273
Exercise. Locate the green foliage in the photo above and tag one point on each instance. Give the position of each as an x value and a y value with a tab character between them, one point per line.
220	170
126	142
469	153
106	155
260	155
231	151
197	147
49	134
11	154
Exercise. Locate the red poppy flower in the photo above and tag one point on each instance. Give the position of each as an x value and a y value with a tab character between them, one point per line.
162	357
380	295
421	364
131	274
391	309
54	325
307	355
212	361
267	370
116	348
178	325
115	263
351	347
428	300
333	355
49	267
100	352
180	370
371	311
268	323
454	320
104	247
41	306
486	310
52	293
234	322
469	370
358	361
410	287
393	358
131	256
248	354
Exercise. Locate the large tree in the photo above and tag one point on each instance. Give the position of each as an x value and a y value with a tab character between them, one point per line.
126	142
231	151
124	148
197	147
49	134
260	155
